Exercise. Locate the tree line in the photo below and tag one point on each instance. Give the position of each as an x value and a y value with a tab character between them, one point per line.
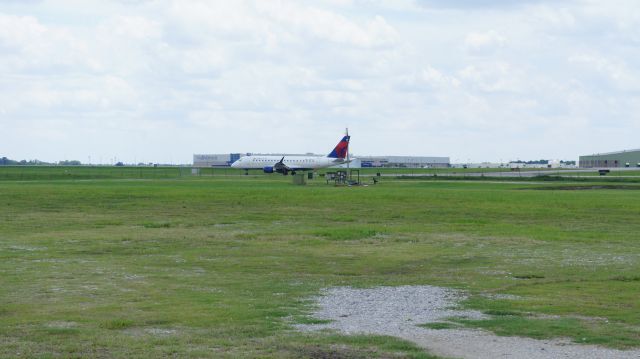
4	161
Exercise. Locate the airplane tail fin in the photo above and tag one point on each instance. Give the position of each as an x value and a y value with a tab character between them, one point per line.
341	149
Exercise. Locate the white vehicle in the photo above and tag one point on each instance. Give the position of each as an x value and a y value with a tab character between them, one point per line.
284	164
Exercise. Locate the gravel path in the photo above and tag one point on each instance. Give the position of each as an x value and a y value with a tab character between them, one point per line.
396	311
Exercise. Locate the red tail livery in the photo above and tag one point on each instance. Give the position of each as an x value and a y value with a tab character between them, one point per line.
341	148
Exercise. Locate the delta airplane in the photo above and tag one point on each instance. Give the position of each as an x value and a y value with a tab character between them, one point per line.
284	164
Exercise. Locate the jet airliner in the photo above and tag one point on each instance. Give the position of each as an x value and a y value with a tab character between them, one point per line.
291	164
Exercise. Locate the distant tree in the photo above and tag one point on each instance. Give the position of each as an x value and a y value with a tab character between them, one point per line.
70	163
4	161
119	164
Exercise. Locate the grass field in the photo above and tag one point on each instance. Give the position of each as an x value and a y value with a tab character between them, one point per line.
221	266
29	173
26	173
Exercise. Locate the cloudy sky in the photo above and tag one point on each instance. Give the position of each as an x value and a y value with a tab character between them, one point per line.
157	81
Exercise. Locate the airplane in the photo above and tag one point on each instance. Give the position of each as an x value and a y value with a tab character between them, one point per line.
291	164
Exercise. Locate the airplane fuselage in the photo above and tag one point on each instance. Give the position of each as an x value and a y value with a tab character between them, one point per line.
293	163
286	164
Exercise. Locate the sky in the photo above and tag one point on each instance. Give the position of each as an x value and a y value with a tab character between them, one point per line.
474	80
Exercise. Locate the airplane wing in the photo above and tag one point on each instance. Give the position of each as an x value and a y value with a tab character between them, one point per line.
280	167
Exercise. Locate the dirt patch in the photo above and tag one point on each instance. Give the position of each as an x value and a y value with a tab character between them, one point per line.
337	352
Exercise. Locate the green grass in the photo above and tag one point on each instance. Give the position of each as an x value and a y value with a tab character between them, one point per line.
84	173
493	177
117	324
580	330
30	173
221	266
613	172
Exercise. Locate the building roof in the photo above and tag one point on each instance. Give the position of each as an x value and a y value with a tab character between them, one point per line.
613	153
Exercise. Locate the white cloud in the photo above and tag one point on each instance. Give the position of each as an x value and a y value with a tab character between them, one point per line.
495	77
29	46
615	72
325	25
133	28
484	42
507	79
554	17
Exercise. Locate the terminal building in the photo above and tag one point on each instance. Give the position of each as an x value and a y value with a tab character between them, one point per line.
225	160
629	158
403	161
221	160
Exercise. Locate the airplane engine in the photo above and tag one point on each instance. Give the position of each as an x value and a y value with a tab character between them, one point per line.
281	167
268	170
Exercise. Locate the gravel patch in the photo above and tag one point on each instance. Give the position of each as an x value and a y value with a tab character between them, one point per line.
156	332
160	331
397	311
62	325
